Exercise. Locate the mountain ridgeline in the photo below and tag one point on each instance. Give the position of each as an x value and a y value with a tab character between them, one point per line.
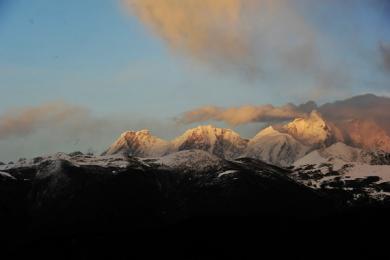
208	192
280	145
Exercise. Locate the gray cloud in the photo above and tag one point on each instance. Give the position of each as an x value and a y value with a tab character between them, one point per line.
385	53
60	127
24	121
364	107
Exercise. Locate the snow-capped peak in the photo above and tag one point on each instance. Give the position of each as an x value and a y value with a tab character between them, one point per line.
141	132
219	141
138	143
282	145
275	147
210	131
267	132
312	130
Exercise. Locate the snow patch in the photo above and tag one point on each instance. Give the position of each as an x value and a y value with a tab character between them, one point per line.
365	170
226	173
7	175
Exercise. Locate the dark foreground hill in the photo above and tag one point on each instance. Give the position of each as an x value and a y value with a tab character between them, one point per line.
87	207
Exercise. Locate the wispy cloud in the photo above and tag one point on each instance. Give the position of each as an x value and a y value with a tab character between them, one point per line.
62	127
365	107
24	121
242	115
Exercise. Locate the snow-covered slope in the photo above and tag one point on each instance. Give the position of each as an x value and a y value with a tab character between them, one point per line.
337	154
191	160
224	143
275	147
140	143
106	161
340	153
365	170
343	166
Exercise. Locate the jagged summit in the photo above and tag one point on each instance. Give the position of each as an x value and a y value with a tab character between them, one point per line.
219	141
138	143
140	132
280	145
312	130
210	130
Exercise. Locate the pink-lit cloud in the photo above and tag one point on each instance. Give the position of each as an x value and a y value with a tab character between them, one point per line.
241	115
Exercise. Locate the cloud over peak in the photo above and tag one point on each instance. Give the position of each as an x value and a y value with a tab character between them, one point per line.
364	107
242	115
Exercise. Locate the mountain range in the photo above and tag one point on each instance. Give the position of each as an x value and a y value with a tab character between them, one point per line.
277	144
316	175
76	203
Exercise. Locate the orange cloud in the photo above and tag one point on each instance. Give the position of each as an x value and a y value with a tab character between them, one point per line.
241	115
202	28
364	108
231	34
